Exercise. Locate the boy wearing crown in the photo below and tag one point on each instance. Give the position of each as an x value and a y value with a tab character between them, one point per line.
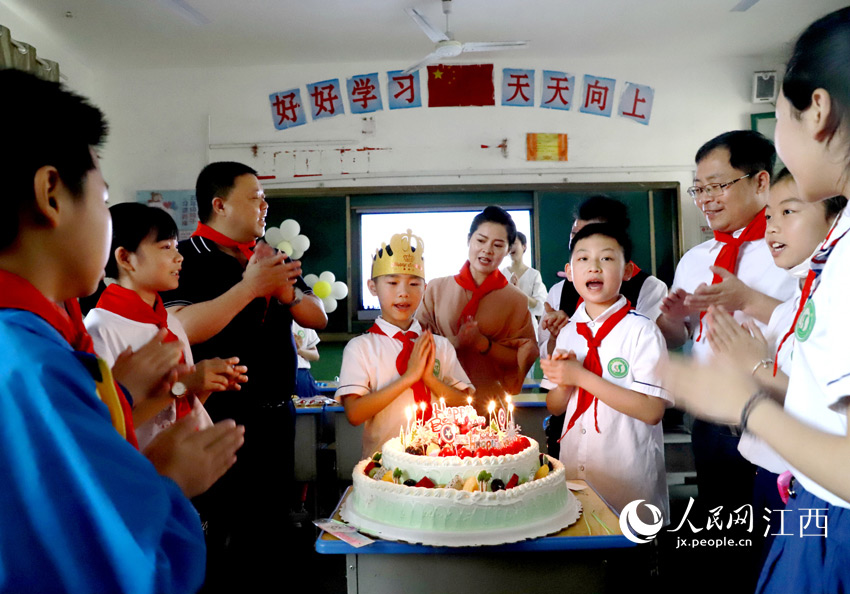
396	364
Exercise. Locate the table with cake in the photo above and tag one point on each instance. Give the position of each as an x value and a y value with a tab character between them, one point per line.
461	493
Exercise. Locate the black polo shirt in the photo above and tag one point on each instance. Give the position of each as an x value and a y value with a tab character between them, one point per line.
260	335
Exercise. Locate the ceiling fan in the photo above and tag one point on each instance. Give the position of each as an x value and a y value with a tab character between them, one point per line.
447	46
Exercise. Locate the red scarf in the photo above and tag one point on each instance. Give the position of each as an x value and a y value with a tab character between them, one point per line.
807	287
421	393
494	281
592	362
207	232
728	256
816	266
128	304
18	293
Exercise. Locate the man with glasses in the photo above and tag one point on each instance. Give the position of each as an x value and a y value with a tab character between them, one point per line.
731	185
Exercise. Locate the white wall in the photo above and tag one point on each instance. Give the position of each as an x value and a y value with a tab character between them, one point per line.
163	122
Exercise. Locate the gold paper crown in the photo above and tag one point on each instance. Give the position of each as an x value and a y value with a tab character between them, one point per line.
400	257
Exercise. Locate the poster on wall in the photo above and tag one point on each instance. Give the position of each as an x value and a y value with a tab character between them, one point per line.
180	204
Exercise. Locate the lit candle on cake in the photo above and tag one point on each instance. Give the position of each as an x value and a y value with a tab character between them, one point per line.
490	408
422	418
408	414
511	416
442	403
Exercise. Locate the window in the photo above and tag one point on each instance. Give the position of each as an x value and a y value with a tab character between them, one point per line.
443	233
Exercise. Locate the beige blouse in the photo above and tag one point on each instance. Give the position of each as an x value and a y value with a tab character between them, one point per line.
502	316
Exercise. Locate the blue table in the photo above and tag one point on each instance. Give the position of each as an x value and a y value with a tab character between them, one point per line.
582	558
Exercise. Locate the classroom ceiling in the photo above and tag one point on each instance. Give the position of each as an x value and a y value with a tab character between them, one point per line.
210	33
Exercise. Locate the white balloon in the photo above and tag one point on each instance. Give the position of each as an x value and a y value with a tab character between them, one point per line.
311	279
330	304
300	243
327	276
290	228
273	236
295	254
339	290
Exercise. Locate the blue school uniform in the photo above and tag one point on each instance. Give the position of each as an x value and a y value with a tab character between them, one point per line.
81	510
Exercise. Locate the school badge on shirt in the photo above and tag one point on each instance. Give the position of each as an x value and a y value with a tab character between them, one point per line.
806	322
618	367
436	368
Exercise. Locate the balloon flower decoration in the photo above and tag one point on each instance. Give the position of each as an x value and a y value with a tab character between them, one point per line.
327	288
287	238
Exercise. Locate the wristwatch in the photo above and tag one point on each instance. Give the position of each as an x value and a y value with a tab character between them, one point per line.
299	295
178	390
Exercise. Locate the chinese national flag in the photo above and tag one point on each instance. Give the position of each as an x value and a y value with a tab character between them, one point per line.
459	86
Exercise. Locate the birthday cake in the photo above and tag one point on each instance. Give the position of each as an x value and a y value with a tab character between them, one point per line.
455	481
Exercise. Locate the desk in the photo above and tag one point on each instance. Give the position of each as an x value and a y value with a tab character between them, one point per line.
573	560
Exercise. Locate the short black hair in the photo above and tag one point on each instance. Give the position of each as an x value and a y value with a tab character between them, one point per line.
783	175
522	238
604	209
132	222
819	61
217	179
494	214
42	123
615	232
832	206
749	151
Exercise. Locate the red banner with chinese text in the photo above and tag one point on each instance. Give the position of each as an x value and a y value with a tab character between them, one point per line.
460	86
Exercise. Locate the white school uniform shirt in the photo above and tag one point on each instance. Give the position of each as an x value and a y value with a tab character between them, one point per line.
309	339
625	460
756	269
112	334
531	283
368	364
751	447
652	293
819	386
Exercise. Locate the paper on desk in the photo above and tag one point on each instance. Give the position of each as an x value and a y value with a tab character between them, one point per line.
344	532
575	486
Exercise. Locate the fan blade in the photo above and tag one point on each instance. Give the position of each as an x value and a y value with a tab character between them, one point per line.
430	30
186	11
743	5
429	59
492	46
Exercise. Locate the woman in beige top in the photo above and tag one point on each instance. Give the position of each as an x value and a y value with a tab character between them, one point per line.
482	314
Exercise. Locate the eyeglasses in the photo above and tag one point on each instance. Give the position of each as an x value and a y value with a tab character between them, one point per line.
712	190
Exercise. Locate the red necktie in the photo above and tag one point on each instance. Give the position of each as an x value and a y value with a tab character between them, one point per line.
494	281
728	256
18	293
207	232
592	362
128	304
421	393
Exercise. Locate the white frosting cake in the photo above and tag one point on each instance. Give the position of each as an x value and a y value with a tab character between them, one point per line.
442	470
452	517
